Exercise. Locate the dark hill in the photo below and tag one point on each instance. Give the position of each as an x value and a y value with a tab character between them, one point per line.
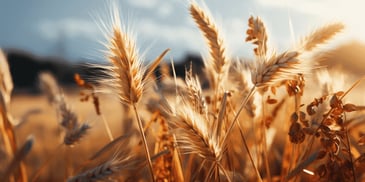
25	67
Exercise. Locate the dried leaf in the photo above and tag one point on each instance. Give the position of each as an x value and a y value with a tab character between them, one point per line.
309	131
321	154
302	116
310	110
334	102
361	140
340	93
294	117
349	107
296	134
328	121
271	101
321	170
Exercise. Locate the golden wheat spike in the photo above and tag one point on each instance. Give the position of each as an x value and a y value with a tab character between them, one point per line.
215	42
321	35
257	35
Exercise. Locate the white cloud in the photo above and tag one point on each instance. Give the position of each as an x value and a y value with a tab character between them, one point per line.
147	4
165	9
71	28
182	37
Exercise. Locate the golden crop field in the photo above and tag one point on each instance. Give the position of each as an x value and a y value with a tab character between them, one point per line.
281	117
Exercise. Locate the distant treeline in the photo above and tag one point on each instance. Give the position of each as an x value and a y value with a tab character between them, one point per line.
25	68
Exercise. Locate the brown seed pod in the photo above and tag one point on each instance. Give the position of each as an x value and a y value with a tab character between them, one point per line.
321	171
349	107
294	117
271	101
296	134
321	154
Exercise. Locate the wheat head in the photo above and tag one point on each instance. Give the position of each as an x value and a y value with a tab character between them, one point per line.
217	49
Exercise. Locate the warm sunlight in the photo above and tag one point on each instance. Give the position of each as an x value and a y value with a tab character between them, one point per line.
351	13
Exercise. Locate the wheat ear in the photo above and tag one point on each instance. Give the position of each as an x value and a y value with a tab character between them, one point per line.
103	171
278	68
196	135
127	75
49	85
195	93
321	35
210	31
256	34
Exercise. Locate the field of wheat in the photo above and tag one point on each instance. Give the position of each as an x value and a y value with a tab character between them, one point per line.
281	117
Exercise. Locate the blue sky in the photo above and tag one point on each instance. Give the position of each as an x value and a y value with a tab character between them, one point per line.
69	28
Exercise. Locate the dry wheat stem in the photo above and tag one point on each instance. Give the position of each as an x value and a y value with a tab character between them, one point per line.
264	145
107	128
9	138
301	166
18	158
147	152
6	82
242	105
249	152
350	154
154	64
44	164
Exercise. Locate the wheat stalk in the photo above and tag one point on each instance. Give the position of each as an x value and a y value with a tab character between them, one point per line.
127	75
6	126
19	157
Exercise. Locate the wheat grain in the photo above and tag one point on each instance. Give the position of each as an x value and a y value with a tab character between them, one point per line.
195	95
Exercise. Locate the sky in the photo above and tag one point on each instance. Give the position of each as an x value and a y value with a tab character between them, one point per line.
70	29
